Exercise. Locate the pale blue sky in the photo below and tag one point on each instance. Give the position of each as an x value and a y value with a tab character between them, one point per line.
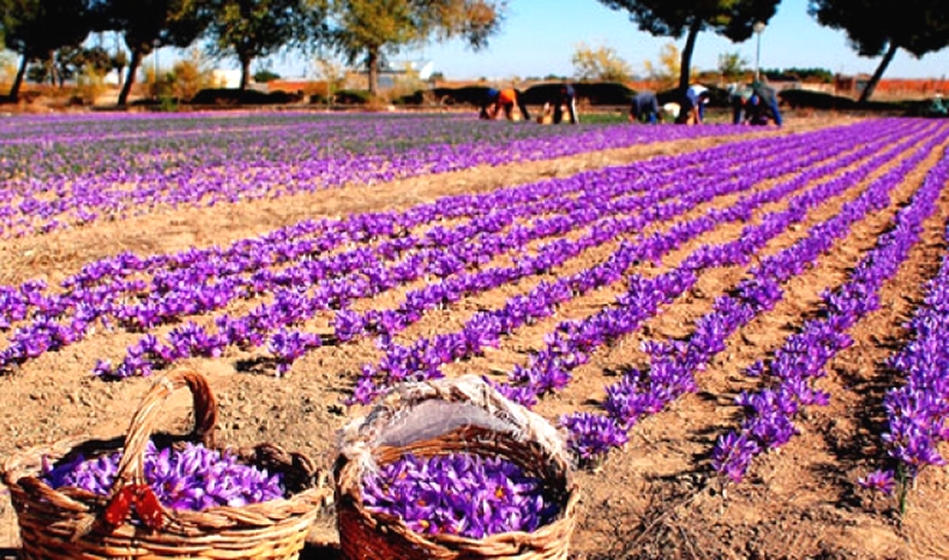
539	37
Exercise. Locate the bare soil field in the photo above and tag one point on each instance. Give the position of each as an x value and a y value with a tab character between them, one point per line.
657	498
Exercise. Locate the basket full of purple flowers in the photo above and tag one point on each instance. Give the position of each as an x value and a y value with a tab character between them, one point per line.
159	495
452	469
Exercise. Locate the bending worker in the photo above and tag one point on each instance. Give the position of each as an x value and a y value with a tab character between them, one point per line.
566	97
738	96
644	108
693	101
502	100
487	103
762	106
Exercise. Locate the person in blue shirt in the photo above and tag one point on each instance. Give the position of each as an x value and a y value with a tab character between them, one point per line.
762	106
566	97
645	108
693	101
488	102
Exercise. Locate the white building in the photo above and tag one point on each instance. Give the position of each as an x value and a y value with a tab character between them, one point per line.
226	78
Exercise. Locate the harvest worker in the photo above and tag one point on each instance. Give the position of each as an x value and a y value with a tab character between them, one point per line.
762	106
566	97
937	108
645	107
738	96
503	100
693	101
490	99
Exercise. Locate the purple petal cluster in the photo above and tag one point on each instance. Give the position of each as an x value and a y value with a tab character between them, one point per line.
460	494
878	481
674	364
191	478
795	367
202	160
918	411
305	273
550	370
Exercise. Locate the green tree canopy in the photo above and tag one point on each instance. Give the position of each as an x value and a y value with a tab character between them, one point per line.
265	75
35	29
731	65
881	27
251	29
149	24
733	19
68	62
368	30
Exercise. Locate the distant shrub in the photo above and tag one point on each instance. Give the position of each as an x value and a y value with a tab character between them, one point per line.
807	99
467	95
225	96
801	98
352	97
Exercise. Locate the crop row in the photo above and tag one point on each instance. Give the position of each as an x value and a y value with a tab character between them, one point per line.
141	293
76	172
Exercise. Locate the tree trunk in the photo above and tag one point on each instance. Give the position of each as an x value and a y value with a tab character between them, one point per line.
372	65
51	68
245	71
130	77
60	71
872	84
18	81
686	62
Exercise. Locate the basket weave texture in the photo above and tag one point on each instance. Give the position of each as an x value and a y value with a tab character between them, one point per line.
68	523
511	432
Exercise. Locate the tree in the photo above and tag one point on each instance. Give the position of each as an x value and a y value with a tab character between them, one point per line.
190	75
333	72
149	24
731	66
369	30
599	64
252	29
668	68
36	29
733	19
265	75
882	27
67	63
119	62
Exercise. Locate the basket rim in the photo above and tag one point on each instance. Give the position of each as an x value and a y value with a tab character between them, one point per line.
360	449
22	472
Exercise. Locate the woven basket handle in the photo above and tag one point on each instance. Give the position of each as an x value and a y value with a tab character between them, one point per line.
131	467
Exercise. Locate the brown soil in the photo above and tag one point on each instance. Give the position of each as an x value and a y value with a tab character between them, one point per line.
655	499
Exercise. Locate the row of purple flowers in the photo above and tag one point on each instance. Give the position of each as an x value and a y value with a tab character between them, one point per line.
141	166
791	375
141	293
425	356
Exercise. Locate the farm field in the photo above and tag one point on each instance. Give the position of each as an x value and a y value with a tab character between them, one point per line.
739	330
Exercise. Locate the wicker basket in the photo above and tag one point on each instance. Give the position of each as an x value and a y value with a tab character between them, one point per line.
481	421
68	522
